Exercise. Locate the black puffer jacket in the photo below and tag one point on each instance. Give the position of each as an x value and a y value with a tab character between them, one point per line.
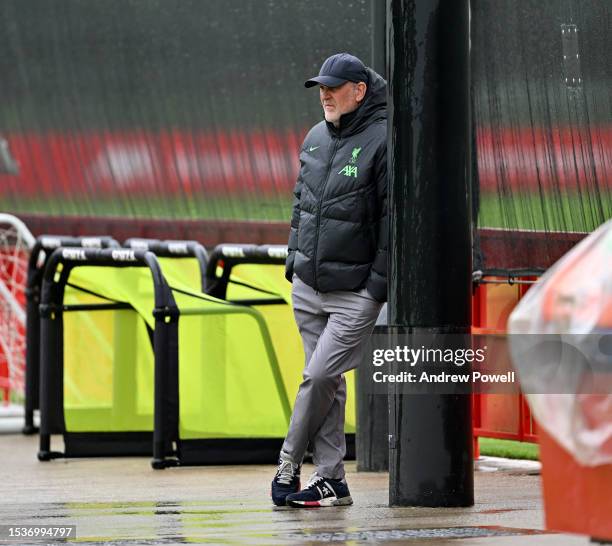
338	238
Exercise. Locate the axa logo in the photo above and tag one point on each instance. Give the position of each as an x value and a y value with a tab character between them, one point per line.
351	169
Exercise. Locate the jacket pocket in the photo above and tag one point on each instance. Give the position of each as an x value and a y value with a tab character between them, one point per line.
349	207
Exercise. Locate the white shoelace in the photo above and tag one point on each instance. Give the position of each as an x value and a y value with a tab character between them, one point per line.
314	479
286	472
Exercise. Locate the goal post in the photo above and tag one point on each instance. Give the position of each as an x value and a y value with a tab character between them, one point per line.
16	240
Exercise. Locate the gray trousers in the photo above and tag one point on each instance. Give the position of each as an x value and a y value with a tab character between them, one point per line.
334	327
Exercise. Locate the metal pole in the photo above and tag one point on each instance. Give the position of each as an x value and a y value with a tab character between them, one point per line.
371	439
430	455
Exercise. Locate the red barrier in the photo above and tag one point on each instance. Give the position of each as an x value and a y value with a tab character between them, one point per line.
504	416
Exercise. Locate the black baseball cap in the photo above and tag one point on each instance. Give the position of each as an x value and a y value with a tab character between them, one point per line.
338	69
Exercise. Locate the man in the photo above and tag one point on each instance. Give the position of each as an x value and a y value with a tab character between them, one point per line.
338	265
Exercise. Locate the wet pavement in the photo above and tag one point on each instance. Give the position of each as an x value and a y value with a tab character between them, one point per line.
122	501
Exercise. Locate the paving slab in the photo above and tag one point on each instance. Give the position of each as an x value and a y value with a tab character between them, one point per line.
123	502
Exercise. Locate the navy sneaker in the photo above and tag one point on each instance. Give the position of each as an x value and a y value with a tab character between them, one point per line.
286	481
321	491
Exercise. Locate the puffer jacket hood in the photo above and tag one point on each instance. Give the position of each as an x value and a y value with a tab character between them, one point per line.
338	237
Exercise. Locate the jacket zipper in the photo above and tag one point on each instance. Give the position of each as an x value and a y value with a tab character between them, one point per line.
316	248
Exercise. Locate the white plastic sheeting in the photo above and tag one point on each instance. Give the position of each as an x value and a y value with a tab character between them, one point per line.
561	344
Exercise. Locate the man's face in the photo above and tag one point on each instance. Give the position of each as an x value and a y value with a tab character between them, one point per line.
340	100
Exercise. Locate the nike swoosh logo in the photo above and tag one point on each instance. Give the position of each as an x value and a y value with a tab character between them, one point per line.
313	148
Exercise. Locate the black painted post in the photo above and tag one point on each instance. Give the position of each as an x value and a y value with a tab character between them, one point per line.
430	455
371	439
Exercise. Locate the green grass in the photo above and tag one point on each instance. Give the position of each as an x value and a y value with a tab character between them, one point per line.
16	398
509	449
246	207
569	212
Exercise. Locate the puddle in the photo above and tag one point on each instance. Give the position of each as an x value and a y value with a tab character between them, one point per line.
414	534
192	522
